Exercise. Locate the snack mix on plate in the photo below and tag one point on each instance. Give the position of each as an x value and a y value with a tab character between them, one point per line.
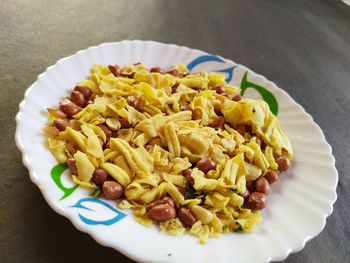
183	150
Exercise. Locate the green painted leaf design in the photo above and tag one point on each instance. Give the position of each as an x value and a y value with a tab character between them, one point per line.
265	94
56	174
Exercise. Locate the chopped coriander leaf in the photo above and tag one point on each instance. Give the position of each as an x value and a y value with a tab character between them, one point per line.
96	193
189	192
238	229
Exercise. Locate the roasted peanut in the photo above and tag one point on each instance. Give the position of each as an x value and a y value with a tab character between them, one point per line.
217	109
112	190
157	70
106	145
131	76
162	212
181	190
106	130
168	200
218	123
220	89
125	124
259	141
241	129
236	97
70	109
115	69
199	89
173	89
61	125
165	200
283	163
250	186
86	91
257	201
206	164
271	176
186	217
71	163
246	194
262	185
99	176
134	102
78	98
155	203
174	72
187	174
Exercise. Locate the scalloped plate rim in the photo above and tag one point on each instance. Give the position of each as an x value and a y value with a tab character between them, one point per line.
82	228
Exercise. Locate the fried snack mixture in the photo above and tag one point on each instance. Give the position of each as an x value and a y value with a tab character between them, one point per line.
183	150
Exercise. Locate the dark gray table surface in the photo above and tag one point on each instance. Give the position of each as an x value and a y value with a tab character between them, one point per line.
304	46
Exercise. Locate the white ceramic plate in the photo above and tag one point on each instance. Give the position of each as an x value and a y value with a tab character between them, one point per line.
297	206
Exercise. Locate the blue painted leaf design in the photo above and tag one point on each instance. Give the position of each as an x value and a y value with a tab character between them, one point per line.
101	205
229	72
209	59
245	84
203	59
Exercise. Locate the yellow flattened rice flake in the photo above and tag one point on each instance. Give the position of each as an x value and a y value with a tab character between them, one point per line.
147	129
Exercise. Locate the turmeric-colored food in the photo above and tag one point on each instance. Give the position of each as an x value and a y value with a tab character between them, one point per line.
183	150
